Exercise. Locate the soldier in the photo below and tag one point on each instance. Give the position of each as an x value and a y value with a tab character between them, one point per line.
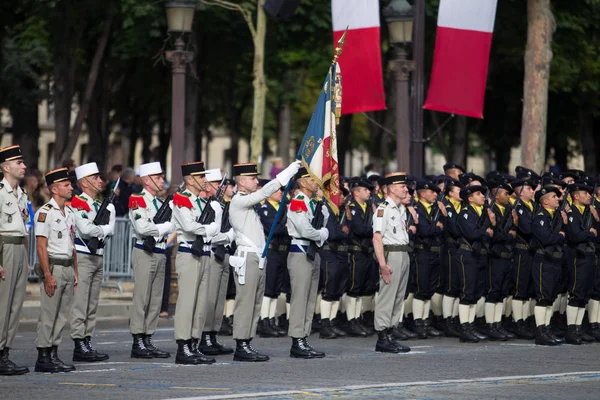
55	235
14	267
499	268
361	254
453	170
247	262
581	237
148	261
427	256
89	260
276	269
522	256
472	256
193	260
218	279
546	260
304	272
449	262
227	323
390	240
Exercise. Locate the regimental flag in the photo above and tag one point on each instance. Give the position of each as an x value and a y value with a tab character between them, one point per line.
363	76
318	150
461	57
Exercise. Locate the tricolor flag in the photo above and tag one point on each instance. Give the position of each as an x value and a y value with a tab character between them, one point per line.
318	150
461	57
361	62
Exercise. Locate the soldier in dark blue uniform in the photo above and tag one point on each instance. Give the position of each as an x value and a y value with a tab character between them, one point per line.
522	256
580	255
361	254
594	303
276	266
427	246
547	242
453	170
473	258
449	282
500	265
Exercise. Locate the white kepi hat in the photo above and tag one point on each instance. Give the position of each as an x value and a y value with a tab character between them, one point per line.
86	170
213	175
152	168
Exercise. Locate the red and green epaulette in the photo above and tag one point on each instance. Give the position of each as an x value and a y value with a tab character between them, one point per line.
181	200
79	204
136	201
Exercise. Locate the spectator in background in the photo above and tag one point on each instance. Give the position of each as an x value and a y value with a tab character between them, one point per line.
115	173
126	188
276	166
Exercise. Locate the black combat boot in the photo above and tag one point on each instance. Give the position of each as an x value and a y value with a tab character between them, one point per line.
467	335
226	326
316	353
507	334
430	330
404	331
397	334
594	331
480	335
7	367
419	328
449	329
276	328
184	353
355	329
90	346
572	336
326	330
339	332
316	323
494	334
44	362
384	344
81	352
265	330
299	349
245	353
59	363
156	352
543	338
367	321
399	346
205	346
585	337
138	349
220	347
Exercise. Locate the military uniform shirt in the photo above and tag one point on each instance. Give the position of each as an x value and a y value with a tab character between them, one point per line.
58	228
141	219
185	217
300	222
13	209
390	221
84	221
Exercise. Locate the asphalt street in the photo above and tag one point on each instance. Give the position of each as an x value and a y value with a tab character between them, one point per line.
435	369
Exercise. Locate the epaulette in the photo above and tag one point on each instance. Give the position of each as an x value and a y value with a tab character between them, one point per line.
383	204
300	197
82	197
47	207
181	200
298	205
264	205
136	201
186	193
542	214
464	209
352	205
570	211
79	203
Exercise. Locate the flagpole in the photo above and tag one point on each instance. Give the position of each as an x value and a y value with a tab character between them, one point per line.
336	55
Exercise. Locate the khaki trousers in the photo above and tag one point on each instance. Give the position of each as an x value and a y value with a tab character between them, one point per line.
87	295
12	291
218	278
391	295
149	277
248	299
55	310
190	311
304	282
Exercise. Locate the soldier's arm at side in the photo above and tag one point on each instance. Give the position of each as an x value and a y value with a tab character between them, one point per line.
75	271
378	245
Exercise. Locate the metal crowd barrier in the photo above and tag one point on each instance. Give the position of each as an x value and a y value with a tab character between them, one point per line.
117	254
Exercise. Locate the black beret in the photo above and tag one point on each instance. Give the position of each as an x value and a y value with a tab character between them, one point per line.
502	185
525	173
546	190
453	182
572	173
550	180
229	182
469	190
576	187
356	183
373	177
523	182
423	185
469	177
453	165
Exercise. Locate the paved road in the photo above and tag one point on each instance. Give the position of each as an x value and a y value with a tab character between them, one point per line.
435	369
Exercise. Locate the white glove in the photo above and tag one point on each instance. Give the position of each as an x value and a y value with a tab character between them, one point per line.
324	233
212	230
230	235
218	209
325	212
284	176
106	231
164	229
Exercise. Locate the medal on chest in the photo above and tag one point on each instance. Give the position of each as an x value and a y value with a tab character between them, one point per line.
394	230
60	235
10	219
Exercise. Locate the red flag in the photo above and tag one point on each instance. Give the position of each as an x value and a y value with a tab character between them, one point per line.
361	59
461	57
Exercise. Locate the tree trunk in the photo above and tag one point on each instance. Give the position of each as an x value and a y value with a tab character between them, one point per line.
285	128
538	55
25	127
134	134
260	87
164	137
67	150
588	139
458	151
191	116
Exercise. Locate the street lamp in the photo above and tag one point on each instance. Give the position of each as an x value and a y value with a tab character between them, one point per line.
180	16
399	16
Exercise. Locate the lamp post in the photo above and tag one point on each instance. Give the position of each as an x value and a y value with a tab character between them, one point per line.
399	16
180	16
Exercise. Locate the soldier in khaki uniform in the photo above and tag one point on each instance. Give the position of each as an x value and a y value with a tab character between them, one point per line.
248	265
148	263
55	235
218	279
14	267
192	263
304	273
89	261
390	239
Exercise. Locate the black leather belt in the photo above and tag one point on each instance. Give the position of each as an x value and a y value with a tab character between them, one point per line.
12	239
433	249
396	248
65	262
277	247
